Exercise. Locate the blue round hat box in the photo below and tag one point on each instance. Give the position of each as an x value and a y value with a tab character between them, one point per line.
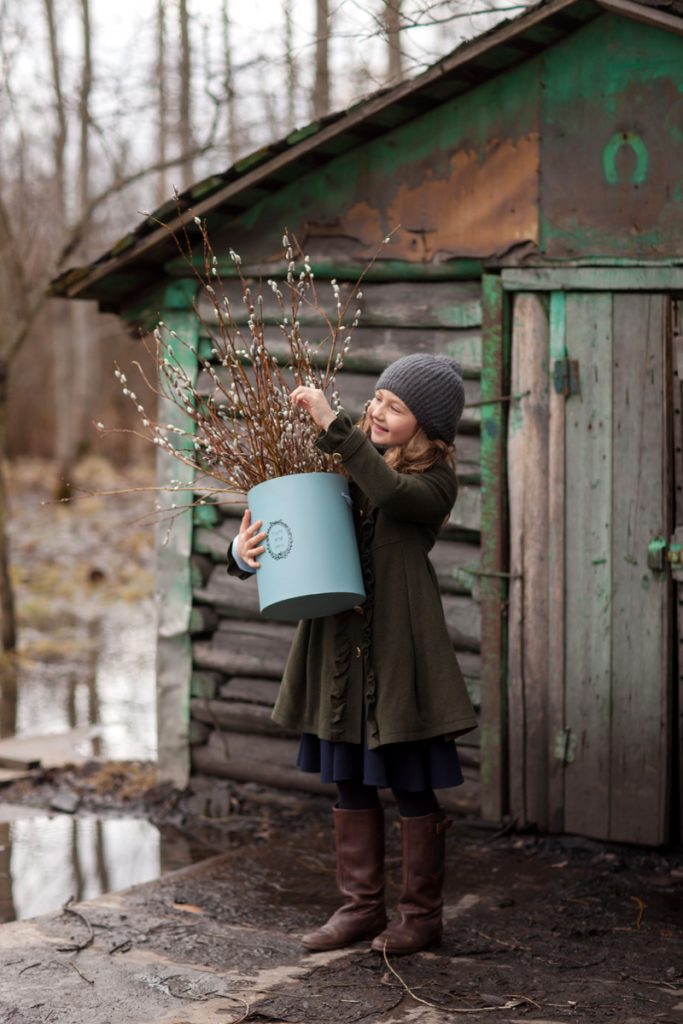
310	566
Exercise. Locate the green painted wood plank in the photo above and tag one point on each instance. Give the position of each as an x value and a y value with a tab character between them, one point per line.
401	304
373	348
381	270
585	279
493	589
528	487
556	566
641	712
588	570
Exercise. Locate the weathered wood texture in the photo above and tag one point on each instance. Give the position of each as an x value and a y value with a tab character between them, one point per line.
528	475
238	757
436	305
641	694
373	348
238	664
588	571
589	666
556	570
494	528
354	391
676	378
174	583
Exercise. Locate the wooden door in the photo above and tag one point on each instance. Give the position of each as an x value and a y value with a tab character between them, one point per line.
591	681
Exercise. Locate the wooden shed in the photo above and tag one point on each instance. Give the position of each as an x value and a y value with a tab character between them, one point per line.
532	181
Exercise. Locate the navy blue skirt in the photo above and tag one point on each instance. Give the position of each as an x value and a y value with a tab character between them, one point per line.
416	766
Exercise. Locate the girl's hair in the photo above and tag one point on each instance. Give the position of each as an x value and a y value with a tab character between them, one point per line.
416	455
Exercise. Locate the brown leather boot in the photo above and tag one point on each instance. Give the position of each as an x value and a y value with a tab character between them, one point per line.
419	923
359	839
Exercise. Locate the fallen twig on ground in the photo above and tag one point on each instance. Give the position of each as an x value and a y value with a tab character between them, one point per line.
512	1003
80	972
641	909
77	947
245	1014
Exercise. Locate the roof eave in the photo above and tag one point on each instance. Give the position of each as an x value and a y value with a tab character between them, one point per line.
86	282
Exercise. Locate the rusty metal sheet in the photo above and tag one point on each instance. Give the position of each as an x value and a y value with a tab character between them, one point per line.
612	145
459	181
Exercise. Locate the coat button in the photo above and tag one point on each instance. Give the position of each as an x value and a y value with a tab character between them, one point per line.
358	652
337	457
358	609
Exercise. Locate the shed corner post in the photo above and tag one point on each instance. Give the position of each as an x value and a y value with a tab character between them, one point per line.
173	584
493	719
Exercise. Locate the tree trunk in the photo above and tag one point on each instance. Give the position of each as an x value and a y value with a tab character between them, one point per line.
85	356
321	88
61	333
8	628
229	86
185	113
60	135
292	77
162	102
392	28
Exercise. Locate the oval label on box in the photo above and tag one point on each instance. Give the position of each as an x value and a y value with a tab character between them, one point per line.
279	539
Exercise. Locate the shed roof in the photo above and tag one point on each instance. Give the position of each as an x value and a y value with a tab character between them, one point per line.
133	263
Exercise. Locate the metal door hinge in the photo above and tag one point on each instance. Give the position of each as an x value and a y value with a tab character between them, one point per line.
566	377
565	746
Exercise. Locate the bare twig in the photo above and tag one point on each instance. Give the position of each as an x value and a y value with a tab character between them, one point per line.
80	972
245	1013
30	966
247	430
77	947
511	1004
641	910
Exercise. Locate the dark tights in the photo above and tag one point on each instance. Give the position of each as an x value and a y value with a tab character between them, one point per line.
356	796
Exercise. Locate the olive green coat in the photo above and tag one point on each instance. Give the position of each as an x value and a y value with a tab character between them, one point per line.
391	660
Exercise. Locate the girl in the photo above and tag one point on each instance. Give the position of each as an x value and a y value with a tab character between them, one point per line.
377	691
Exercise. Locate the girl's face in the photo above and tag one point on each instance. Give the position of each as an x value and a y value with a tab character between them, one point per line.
391	421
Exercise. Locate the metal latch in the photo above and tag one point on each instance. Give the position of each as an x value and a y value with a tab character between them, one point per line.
565	746
660	554
566	377
674	555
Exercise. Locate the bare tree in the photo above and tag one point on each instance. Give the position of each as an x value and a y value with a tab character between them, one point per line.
392	28
85	363
162	100
321	86
229	85
291	64
185	112
61	333
60	135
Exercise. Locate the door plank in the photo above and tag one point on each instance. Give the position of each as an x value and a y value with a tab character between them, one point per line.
556	569
640	597
528	474
588	576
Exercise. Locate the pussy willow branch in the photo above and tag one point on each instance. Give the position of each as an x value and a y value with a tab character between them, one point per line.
246	430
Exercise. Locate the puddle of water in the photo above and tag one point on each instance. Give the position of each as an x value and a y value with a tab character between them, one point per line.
45	860
106	687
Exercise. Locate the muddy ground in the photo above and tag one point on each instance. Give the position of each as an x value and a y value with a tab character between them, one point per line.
537	929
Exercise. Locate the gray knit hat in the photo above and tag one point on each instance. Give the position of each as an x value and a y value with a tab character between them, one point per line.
432	388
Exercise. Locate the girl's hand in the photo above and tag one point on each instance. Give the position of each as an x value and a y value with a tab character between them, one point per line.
316	405
248	541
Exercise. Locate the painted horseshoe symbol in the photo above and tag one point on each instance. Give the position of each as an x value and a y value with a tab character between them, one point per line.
609	159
